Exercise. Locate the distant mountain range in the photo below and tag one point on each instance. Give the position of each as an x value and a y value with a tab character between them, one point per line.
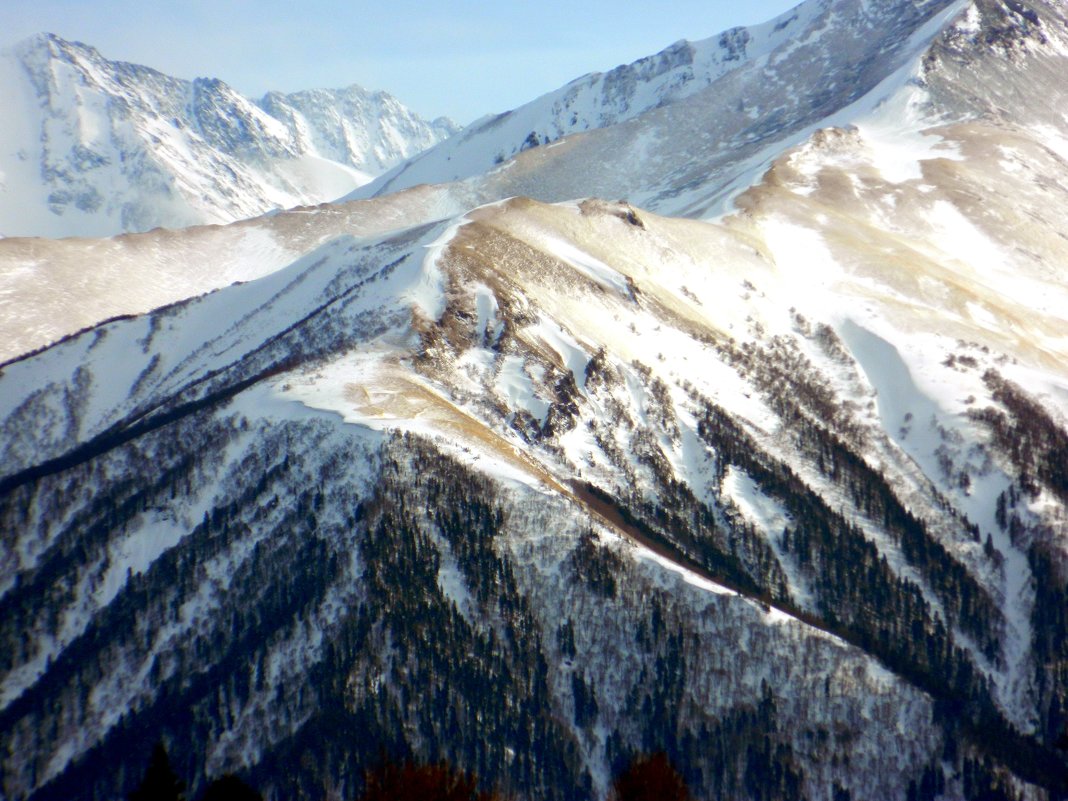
716	407
92	147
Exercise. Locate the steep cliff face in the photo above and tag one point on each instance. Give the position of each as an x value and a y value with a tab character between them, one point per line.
539	487
94	147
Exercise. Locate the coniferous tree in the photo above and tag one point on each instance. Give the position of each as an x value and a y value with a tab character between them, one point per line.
230	788
1062	741
160	782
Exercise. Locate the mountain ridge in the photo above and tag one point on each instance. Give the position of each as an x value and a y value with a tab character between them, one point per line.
722	84
908	107
539	487
121	147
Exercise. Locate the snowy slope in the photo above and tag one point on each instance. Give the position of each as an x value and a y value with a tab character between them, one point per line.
50	288
951	63
539	487
92	147
668	132
685	131
565	351
370	131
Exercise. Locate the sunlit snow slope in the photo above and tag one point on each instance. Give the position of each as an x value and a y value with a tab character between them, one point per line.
674	132
739	406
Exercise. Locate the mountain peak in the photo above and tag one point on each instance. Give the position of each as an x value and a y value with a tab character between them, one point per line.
84	58
125	148
54	44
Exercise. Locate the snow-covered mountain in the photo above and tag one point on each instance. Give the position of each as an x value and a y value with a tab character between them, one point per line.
538	487
92	147
684	131
675	125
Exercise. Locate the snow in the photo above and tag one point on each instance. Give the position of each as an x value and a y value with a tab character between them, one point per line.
890	119
895	138
808	269
516	386
679	297
202	336
769	517
688	576
594	269
954	234
1052	138
629	125
20	180
899	400
151	535
319	177
488	312
572	355
451	578
120	147
429	293
364	391
771	615
970	24
917	421
691	459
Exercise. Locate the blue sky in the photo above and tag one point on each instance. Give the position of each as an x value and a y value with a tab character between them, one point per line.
462	58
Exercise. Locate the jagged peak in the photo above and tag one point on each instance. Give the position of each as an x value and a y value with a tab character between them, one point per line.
54	47
150	149
54	44
351	90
